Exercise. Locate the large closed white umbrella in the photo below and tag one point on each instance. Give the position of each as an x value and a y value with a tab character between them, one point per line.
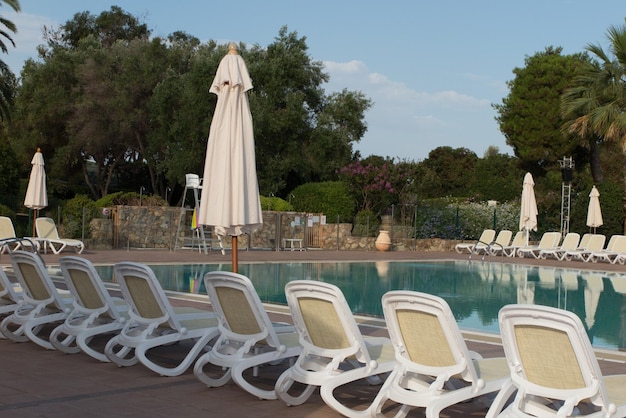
36	193
594	213
230	201
528	212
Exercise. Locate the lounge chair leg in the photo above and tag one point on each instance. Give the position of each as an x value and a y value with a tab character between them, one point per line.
63	341
284	383
198	370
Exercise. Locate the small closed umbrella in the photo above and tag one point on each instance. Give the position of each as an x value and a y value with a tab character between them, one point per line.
230	200
528	212
36	193
594	213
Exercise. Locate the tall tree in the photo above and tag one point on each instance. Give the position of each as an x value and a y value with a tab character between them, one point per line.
7	78
597	103
448	170
529	117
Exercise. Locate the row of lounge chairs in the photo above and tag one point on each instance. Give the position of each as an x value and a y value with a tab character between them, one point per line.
549	368
589	248
47	238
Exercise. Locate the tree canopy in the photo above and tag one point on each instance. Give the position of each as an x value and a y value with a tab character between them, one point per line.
113	108
530	116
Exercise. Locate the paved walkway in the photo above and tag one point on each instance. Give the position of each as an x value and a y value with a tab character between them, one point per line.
38	383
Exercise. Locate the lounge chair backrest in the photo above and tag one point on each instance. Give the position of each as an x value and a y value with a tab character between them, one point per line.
239	309
487	236
550	355
86	285
584	241
596	243
324	320
6	228
504	237
144	294
617	244
425	335
550	240
46	228
519	239
571	241
34	278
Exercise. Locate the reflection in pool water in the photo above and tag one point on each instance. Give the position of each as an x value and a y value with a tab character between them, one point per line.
475	290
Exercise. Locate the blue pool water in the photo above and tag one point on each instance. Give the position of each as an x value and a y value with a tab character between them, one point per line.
475	290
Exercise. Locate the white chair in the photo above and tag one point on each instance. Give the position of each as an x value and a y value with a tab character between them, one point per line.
334	351
95	312
570	242
553	368
9	240
48	235
154	322
482	244
248	339
434	368
549	240
519	241
502	241
614	249
41	303
595	243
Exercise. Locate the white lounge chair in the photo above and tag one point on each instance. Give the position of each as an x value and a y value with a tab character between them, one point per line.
553	368
486	238
95	312
615	248
248	339
503	240
434	368
154	322
595	244
570	242
549	240
334	351
48	236
40	304
519	241
9	240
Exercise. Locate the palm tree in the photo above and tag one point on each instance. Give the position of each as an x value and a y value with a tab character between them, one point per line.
595	109
7	78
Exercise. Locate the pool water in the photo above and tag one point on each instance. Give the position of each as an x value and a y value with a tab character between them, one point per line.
475	290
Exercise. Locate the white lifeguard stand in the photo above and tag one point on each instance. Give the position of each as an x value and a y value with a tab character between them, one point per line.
193	183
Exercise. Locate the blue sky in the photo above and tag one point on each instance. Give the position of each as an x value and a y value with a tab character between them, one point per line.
432	68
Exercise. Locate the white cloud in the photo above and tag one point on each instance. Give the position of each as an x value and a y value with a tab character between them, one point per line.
408	123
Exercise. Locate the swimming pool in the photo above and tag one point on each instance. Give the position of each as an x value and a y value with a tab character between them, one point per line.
475	290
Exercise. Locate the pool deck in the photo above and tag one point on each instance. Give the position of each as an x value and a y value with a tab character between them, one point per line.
38	383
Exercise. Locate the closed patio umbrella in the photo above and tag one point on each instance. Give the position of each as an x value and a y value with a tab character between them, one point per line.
528	212
230	201
36	193
594	213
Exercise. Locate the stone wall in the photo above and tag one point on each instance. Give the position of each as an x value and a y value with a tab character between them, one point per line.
170	228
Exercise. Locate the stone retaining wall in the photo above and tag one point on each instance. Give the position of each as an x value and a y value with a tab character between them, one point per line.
170	227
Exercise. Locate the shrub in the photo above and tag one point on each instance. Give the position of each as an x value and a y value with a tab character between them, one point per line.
275	203
76	210
365	224
130	199
330	198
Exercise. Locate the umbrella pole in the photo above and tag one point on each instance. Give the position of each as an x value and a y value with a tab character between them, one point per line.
235	255
35	222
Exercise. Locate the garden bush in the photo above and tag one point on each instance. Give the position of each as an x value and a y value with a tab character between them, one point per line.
330	198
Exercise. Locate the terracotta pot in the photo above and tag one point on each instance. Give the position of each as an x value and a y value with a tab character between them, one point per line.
383	242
